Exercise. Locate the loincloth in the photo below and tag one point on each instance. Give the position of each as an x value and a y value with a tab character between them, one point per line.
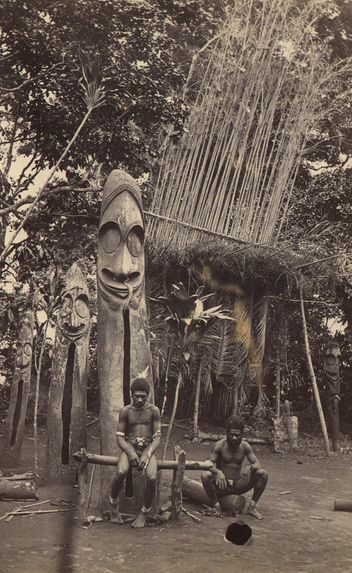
139	443
241	485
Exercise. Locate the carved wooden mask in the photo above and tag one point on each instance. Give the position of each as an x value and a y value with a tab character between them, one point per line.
74	316
120	242
332	359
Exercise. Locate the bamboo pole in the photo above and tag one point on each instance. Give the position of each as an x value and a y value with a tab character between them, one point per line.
173	414
312	375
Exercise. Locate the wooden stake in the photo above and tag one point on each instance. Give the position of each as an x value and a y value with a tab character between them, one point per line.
82	485
313	378
176	487
9	515
91	485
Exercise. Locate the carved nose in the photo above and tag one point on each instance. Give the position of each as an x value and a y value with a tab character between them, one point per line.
73	321
123	269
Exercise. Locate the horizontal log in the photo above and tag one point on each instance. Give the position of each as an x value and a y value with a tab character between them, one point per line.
20	489
342	505
162	464
204	437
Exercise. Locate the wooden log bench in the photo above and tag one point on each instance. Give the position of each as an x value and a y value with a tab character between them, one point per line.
179	465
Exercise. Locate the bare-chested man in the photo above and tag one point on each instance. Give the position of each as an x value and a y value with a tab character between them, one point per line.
226	477
138	436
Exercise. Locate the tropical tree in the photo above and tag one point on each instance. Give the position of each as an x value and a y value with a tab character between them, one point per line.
187	320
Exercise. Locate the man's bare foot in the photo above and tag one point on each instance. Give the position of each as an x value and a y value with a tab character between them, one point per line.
140	520
116	516
252	510
216	510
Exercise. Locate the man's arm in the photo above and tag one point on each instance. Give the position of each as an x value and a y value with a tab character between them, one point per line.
121	438
253	460
220	476
156	428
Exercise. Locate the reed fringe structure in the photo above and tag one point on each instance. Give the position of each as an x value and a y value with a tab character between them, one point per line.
260	96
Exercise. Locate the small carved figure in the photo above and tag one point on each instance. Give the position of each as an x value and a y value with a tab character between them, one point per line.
226	477
332	361
16	419
138	436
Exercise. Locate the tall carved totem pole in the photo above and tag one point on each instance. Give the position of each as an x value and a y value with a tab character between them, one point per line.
123	351
16	418
67	396
332	361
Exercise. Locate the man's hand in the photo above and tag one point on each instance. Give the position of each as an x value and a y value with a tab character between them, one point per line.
144	461
255	466
133	458
220	480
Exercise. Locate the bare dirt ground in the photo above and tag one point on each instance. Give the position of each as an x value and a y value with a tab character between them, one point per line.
301	532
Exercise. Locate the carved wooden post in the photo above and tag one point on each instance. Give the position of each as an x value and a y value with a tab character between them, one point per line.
177	481
332	361
67	396
16	418
123	351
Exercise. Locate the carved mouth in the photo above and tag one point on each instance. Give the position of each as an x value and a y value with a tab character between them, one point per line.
121	292
73	332
118	288
21	364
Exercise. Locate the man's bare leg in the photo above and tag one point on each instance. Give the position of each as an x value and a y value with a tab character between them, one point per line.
150	489
208	481
261	479
116	486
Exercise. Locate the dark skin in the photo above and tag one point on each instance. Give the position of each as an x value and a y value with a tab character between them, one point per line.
228	456
137	420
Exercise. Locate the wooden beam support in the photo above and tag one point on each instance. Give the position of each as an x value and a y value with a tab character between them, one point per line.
162	464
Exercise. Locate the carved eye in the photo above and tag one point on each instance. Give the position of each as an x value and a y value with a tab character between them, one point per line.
28	349
110	237
66	308
81	307
135	241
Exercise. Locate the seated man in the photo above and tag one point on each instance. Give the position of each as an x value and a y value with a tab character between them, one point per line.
138	436
226	478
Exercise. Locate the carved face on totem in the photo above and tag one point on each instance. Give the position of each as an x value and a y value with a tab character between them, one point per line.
74	316
25	342
332	360
121	243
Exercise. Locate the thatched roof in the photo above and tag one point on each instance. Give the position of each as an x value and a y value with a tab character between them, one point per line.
273	268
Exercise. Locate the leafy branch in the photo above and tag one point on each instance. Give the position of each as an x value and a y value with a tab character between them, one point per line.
94	98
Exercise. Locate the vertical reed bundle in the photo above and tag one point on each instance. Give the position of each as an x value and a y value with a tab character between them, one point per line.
260	95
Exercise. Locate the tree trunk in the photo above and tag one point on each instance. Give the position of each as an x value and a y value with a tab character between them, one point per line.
277	382
235	402
172	419
313	378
